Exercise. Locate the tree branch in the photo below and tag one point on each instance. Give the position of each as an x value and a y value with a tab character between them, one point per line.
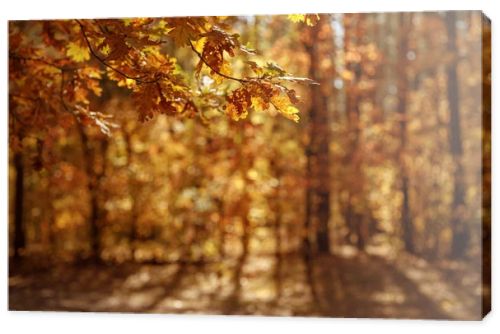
43	61
240	80
102	61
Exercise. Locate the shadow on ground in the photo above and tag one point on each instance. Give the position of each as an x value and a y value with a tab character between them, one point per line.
359	285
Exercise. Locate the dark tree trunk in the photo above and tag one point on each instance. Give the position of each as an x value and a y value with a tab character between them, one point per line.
222	229
94	227
322	124
306	241
19	233
406	221
134	214
406	217
278	231
318	155
94	175
460	240
353	158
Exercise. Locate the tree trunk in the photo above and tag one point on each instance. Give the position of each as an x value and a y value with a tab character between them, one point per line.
278	230
92	187
306	240
353	158
134	214
460	240
406	221
318	155
19	233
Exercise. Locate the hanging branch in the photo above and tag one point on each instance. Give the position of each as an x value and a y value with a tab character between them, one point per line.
103	61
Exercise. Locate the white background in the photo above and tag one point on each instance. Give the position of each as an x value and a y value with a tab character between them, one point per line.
50	322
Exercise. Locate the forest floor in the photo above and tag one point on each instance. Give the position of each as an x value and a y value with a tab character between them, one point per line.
343	285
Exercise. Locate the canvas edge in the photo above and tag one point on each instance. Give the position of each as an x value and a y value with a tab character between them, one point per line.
486	164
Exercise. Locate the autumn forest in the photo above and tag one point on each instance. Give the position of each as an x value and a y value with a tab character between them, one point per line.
299	165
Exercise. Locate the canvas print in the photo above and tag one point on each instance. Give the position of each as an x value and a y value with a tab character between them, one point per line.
317	165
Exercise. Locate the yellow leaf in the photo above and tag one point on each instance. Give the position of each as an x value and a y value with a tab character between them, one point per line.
182	32
284	106
259	104
198	44
296	18
309	19
291	113
225	69
280	102
106	50
77	53
312	19
235	113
